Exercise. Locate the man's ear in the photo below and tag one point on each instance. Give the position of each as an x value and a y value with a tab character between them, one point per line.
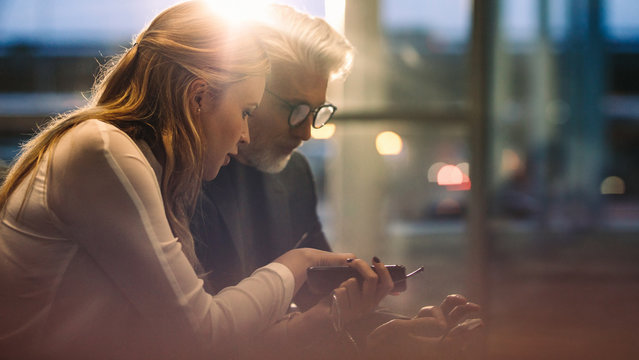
196	92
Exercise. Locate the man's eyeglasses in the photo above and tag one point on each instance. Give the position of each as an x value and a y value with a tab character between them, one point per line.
321	114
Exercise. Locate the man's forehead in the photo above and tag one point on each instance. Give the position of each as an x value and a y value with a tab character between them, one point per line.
298	84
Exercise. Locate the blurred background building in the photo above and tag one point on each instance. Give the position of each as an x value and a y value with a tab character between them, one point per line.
494	142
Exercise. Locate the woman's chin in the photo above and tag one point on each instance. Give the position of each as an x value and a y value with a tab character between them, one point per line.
211	174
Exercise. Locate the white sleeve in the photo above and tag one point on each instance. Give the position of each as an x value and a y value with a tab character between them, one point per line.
105	194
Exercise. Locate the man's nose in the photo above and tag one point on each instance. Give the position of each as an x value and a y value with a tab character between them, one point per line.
303	131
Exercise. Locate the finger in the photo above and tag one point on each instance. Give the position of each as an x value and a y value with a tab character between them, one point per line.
460	312
343	295
383	331
369	288
466	327
344	259
341	301
385	282
362	268
327	258
426	326
425	311
451	301
432	312
369	283
352	308
462	336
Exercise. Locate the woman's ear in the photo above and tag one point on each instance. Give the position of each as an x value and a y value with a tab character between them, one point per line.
196	92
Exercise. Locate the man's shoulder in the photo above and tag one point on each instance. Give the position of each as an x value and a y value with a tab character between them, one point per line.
298	167
297	172
298	162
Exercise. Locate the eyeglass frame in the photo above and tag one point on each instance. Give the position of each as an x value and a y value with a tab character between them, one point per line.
314	111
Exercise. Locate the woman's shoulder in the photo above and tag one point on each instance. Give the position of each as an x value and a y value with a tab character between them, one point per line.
94	132
93	139
94	135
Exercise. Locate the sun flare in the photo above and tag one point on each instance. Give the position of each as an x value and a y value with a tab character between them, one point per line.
237	11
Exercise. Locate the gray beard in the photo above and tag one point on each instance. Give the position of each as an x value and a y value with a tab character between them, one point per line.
265	161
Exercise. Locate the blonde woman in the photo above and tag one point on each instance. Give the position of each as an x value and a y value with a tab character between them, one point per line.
96	259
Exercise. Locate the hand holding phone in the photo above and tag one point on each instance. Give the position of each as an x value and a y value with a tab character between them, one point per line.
323	279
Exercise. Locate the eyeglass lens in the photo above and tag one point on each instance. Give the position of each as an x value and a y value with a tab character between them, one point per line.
300	113
323	116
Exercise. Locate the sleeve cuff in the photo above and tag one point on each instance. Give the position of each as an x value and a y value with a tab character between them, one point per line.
288	280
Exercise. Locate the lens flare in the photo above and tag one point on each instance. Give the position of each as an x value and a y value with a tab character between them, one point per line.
239	11
335	13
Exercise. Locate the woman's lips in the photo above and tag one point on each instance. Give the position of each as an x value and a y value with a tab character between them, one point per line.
227	159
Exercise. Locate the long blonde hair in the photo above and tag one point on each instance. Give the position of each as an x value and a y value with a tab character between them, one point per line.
144	92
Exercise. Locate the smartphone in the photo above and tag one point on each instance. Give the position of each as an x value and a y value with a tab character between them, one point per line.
324	279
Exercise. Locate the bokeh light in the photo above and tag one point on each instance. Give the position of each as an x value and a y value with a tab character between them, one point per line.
464	186
388	143
464	167
613	185
510	162
433	170
449	175
325	132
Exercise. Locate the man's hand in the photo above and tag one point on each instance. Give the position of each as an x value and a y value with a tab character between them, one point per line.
435	333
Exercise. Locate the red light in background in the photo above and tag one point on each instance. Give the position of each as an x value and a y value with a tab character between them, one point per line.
450	175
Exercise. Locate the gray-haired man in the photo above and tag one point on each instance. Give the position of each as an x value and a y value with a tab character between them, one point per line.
264	203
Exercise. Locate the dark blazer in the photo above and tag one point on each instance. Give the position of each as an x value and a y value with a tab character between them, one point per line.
246	218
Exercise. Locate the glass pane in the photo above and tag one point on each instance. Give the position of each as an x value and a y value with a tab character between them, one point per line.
565	204
50	52
413	58
545	107
621	21
398	190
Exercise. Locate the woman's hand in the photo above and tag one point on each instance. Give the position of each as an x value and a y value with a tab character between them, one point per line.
350	301
298	260
354	300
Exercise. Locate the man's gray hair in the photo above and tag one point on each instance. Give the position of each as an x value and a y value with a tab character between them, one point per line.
294	38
